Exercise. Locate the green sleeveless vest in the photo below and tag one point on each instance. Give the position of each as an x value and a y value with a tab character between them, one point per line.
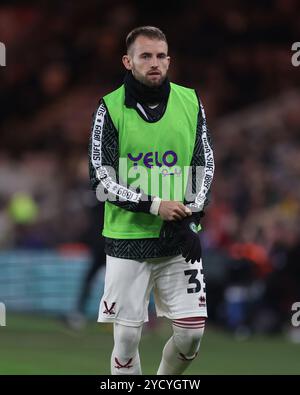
153	156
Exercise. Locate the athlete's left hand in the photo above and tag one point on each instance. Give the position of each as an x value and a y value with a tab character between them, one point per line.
183	232
191	249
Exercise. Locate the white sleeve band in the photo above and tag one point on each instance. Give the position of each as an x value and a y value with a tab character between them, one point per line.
155	206
102	173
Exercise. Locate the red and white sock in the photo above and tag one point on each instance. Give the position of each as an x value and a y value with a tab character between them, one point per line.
183	347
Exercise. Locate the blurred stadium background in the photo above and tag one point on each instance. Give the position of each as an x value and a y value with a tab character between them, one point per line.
61	57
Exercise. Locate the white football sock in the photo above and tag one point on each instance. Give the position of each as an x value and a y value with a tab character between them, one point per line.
125	359
182	348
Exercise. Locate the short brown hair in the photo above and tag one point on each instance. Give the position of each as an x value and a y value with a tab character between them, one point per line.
148	31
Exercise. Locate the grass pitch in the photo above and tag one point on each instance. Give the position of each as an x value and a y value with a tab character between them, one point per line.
39	345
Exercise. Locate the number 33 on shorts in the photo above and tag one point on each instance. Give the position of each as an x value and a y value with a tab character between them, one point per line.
196	285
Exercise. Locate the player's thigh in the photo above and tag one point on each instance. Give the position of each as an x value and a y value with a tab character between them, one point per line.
180	289
126	288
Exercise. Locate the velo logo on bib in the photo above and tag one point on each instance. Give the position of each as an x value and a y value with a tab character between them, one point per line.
166	161
150	159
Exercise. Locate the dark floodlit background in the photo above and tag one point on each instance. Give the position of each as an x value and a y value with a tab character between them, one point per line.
61	57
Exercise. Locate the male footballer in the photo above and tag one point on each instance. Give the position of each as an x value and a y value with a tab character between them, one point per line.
149	139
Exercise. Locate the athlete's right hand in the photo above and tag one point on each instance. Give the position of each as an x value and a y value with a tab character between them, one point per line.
173	211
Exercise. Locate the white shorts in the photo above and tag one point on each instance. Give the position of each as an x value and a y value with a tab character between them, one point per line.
179	289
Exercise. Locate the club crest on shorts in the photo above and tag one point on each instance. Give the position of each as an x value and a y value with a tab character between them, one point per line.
202	301
109	310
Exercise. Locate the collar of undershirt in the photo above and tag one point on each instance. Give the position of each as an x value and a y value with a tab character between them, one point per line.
151	113
136	92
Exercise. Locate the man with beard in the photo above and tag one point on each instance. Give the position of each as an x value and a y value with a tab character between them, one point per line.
151	128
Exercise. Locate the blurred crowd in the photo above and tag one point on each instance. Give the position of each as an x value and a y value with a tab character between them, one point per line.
234	53
254	217
63	56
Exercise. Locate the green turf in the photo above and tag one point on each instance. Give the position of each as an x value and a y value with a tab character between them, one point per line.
35	345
